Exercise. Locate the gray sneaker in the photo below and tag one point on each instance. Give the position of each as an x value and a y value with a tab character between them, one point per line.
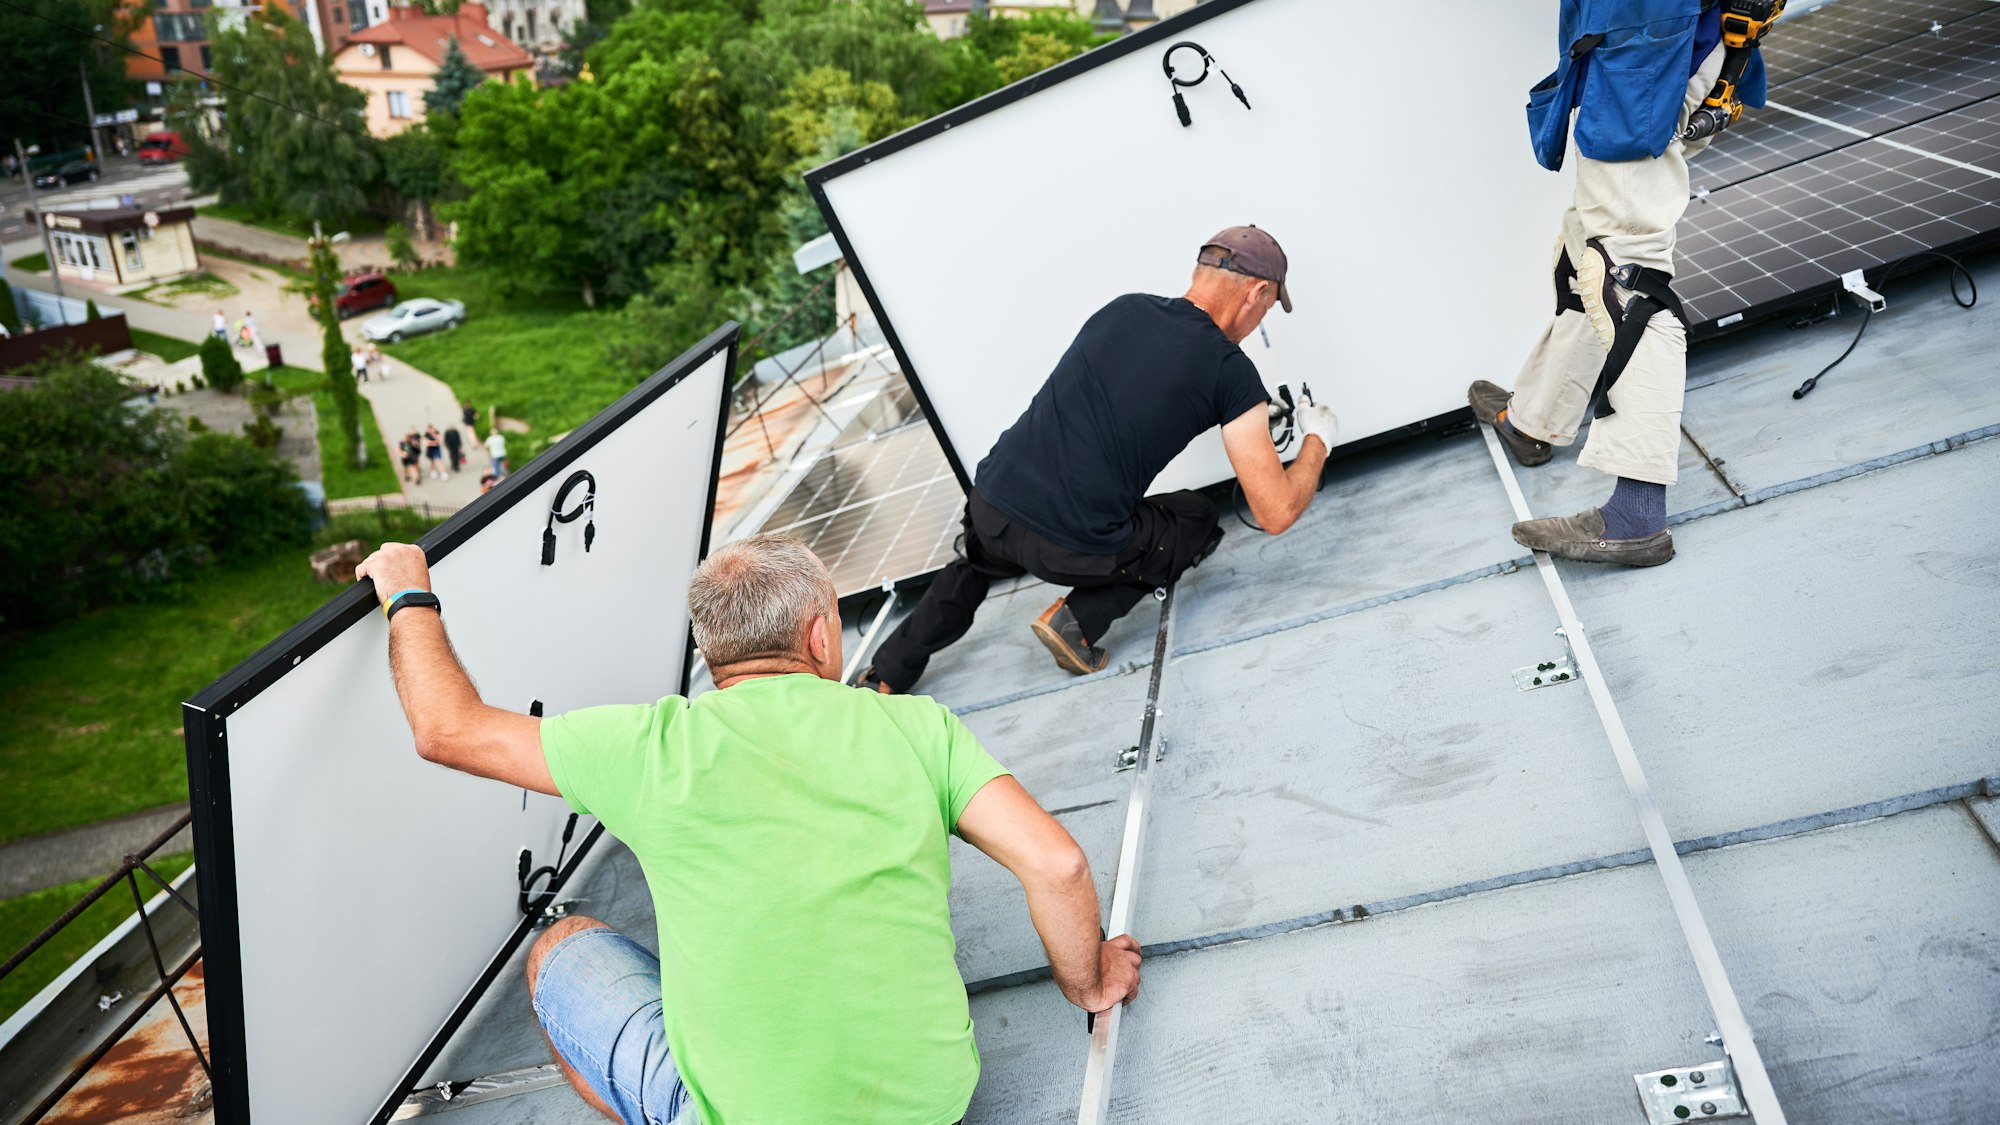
1058	631
1488	400
1581	537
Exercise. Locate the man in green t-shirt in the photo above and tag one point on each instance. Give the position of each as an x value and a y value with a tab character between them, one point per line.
793	832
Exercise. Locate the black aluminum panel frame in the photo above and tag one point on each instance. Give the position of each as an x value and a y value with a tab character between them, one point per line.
206	731
817	179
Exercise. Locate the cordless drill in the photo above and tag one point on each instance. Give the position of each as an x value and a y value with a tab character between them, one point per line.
1744	22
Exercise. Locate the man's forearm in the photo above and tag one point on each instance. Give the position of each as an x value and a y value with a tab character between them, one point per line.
438	697
1064	910
1302	477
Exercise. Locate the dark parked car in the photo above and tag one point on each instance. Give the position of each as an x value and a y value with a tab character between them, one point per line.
74	172
361	292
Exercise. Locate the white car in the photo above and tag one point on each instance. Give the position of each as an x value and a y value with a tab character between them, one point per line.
420	314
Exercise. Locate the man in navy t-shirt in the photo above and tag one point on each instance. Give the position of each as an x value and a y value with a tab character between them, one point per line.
1061	495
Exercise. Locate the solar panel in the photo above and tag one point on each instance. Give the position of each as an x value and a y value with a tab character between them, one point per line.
1866	95
881	504
1885	146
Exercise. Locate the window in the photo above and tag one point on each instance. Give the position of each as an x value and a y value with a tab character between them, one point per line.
531	23
338	16
172	57
80	250
399	104
179	27
131	241
383	50
207	60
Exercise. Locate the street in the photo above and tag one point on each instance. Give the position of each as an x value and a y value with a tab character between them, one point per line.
155	186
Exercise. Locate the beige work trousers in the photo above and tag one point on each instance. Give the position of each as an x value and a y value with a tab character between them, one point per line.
1632	206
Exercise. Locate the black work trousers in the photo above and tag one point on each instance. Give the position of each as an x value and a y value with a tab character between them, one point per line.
1171	532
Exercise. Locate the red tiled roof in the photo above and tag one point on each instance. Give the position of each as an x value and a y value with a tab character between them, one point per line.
489	50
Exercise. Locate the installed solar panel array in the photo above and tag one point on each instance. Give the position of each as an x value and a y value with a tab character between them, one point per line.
1882	140
881	505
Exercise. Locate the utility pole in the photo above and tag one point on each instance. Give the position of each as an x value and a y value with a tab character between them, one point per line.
48	244
90	111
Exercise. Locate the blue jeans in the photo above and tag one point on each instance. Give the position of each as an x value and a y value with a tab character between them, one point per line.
598	997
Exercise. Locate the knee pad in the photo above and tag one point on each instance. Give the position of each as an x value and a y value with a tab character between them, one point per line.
1602	302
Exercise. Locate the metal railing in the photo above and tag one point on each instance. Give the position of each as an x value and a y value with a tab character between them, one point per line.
128	873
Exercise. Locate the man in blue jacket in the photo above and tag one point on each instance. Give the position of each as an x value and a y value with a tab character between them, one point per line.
1630	76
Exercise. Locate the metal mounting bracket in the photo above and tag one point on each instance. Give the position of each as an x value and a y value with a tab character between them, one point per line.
556	911
1856	283
1548	673
1706	1092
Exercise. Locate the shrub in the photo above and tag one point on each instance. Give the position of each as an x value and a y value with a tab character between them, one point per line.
180	388
397	237
99	503
219	365
199	383
261	432
196	425
90	313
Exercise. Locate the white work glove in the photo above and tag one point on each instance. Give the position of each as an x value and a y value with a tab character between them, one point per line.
1318	421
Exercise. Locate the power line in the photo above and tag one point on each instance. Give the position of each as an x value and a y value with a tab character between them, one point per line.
244	90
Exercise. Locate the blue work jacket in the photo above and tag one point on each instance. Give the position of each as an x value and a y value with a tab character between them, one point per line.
1627	90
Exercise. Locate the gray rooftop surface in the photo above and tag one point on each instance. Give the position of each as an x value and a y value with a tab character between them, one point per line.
1813	687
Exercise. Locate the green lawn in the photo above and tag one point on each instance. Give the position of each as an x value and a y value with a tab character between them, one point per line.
93	705
341	482
287	224
538	358
37	262
203	284
169	348
291	272
22	918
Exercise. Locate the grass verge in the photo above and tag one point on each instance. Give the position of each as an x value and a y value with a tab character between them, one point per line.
340	481
203	284
37	262
93	704
22	918
169	348
291	272
538	358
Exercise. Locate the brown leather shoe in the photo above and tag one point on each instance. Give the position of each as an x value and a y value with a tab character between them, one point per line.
1058	631
1488	400
1581	538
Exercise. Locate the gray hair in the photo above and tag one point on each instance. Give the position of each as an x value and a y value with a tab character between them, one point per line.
755	597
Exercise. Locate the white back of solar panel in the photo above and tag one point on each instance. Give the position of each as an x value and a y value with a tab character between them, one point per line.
372	887
1388	154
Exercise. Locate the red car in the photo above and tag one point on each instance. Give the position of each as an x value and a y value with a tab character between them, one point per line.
361	292
161	148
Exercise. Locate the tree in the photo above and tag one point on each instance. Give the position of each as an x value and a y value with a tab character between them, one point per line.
101	503
300	146
42	44
219	366
456	76
401	249
335	357
417	165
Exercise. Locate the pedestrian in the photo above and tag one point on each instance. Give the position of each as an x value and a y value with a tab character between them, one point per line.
219	327
358	361
250	322
496	450
1618	340
794	836
1061	495
434	453
454	448
412	450
470	417
376	361
242	333
486	481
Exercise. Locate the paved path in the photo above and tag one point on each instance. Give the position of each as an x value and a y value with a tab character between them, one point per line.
408	396
87	851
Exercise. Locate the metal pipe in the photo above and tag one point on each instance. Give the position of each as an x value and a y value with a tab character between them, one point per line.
1737	1040
868	639
96	893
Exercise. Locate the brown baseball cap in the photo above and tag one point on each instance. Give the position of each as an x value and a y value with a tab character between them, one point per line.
1251	252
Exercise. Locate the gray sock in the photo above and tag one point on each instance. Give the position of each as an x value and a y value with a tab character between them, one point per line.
1636	509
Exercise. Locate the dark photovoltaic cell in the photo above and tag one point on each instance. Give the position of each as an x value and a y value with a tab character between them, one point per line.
1833	33
1896	85
1906	160
1802	227
881	504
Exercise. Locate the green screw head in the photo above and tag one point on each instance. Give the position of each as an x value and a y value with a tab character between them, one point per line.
1538	681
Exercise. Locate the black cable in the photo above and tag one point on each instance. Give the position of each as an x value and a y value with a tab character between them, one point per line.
537	905
1882	287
